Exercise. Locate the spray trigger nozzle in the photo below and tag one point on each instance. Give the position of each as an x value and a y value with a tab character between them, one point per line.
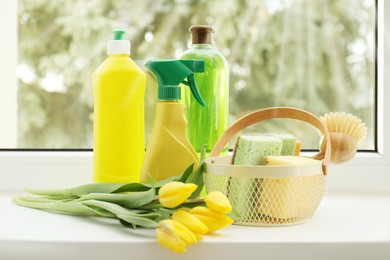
190	82
170	73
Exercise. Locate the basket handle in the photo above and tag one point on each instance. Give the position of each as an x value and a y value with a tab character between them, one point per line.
270	113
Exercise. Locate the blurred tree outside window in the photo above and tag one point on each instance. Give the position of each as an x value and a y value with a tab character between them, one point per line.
314	55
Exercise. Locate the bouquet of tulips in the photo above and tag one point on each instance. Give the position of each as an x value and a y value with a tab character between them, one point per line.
171	206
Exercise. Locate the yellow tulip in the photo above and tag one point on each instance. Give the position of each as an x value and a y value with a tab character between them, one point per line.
212	219
173	194
190	221
217	201
174	235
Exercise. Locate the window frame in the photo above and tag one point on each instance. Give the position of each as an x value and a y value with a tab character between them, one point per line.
8	63
368	171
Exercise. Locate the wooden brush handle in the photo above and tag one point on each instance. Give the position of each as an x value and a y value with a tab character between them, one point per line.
270	113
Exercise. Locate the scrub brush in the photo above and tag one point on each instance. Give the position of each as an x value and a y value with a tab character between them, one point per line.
346	131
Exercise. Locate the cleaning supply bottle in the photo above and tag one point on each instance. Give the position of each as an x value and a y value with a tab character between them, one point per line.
169	151
118	90
206	124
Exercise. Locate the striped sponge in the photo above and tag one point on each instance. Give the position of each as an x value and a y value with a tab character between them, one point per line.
251	149
289	143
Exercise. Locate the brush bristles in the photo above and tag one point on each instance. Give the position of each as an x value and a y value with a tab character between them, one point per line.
344	123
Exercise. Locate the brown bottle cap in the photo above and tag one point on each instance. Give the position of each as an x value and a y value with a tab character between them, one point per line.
201	34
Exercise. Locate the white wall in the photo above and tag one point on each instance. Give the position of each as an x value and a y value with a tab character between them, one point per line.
8	81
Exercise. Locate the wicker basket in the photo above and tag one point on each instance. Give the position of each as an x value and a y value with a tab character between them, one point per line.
265	195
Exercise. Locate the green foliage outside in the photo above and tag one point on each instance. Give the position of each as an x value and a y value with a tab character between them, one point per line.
314	55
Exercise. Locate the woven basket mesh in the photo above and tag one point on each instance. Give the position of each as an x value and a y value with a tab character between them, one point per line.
270	201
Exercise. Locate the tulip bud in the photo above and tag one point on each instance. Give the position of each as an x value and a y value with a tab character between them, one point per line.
212	219
173	194
217	201
174	236
190	221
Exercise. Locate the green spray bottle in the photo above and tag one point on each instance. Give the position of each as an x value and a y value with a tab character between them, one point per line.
169	151
207	124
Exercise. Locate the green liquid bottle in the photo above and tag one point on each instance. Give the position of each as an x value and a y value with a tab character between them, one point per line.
206	124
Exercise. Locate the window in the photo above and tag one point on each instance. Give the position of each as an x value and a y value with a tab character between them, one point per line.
320	60
314	55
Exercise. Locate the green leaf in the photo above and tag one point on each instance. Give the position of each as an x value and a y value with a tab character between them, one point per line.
163	215
143	220
152	205
80	190
184	176
233	214
131	187
116	209
108	188
137	221
43	199
74	208
59	198
128	200
197	178
152	180
102	212
193	203
127	224
108	206
203	153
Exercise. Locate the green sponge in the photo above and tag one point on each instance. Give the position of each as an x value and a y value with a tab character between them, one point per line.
245	193
251	149
289	142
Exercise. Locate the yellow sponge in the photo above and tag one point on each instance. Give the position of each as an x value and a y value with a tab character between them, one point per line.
290	160
298	144
284	198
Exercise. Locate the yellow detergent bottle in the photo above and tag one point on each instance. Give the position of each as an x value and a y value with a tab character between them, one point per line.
169	151
118	90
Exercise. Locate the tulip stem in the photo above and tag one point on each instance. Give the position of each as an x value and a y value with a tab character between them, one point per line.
194	201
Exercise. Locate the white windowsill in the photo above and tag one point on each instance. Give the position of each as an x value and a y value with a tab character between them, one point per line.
352	222
346	226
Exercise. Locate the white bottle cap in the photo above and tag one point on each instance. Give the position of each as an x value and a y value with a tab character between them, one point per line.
118	45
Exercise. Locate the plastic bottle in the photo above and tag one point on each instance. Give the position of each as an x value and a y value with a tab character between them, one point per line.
118	89
169	151
213	84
